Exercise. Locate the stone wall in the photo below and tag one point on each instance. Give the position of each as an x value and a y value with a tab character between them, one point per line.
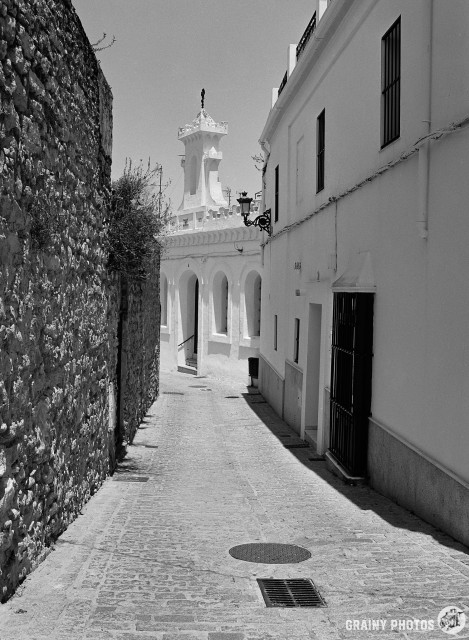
139	332
58	304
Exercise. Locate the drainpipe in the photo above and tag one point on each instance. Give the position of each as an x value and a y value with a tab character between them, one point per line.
424	151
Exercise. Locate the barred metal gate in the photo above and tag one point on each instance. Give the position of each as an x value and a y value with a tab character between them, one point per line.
352	352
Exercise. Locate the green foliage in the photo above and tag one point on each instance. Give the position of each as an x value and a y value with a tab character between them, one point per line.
138	220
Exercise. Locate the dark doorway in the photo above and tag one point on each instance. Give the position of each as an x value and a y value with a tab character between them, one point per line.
352	352
196	315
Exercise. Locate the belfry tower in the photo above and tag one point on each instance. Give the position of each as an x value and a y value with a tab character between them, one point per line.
202	187
211	271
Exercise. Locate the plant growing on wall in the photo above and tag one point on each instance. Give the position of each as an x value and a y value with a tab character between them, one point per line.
138	220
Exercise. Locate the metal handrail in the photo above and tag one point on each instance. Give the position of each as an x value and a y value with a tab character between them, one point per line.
187	340
306	36
283	83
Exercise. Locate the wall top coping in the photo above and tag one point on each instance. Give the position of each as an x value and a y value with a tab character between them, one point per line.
213	237
210	218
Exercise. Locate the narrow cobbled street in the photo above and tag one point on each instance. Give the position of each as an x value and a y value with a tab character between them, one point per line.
150	559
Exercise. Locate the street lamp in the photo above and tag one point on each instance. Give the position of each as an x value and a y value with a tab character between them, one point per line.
262	221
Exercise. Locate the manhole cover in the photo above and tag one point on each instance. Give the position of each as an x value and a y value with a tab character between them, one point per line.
290	593
270	553
124	478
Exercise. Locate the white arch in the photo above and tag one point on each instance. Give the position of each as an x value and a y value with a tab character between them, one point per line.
187	264
220	288
252	304
164	299
220	265
188	315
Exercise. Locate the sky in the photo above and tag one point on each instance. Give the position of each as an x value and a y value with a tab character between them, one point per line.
166	51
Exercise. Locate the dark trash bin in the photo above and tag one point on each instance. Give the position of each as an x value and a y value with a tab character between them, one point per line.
253	364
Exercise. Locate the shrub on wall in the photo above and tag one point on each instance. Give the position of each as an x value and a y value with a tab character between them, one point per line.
138	220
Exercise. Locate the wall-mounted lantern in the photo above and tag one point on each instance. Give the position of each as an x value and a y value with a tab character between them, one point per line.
262	221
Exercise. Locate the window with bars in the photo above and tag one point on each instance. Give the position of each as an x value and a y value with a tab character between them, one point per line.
320	150
276	193
391	84
296	351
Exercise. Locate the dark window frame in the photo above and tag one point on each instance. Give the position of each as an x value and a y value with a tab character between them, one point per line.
320	150
277	180
391	84
296	351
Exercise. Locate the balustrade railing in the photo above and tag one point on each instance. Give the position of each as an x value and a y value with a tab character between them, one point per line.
306	36
283	83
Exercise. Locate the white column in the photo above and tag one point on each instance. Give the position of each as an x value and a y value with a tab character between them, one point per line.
274	96
235	326
204	311
173	321
291	58
321	7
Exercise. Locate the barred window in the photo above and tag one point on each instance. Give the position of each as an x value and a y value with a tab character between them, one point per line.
296	350
276	193
391	84
320	150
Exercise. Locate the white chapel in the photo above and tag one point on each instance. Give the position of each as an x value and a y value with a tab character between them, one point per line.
211	274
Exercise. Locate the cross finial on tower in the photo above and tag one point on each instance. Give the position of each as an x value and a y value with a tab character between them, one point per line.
202	93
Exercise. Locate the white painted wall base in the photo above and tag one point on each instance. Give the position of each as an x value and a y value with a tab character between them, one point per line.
413	481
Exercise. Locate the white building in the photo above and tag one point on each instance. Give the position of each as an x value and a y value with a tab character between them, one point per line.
365	303
211	273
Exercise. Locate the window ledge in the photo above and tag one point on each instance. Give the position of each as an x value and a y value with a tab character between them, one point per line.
293	364
220	337
249	341
388	145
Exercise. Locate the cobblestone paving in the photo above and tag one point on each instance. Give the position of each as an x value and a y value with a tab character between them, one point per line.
149	560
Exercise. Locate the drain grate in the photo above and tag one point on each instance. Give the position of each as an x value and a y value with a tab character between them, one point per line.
124	478
270	553
173	393
290	593
300	445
